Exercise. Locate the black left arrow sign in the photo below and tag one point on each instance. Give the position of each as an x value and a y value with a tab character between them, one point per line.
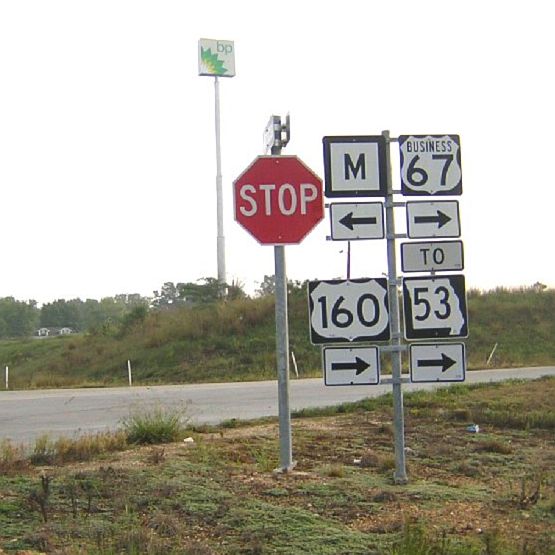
444	362
358	364
440	219
349	220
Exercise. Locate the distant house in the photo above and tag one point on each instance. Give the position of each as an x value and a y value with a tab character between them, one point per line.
51	332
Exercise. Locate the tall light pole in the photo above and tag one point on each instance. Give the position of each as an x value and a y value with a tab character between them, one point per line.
216	58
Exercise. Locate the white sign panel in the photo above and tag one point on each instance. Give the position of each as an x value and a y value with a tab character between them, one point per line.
355	166
348	310
435	307
437	363
216	58
432	256
433	219
352	221
351	365
430	164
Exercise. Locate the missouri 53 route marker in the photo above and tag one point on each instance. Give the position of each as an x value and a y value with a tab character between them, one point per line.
435	307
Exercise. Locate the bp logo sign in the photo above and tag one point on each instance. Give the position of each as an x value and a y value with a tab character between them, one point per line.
216	58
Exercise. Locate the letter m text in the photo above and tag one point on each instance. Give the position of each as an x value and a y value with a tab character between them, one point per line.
354	169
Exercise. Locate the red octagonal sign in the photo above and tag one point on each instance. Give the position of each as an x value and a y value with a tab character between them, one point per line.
278	200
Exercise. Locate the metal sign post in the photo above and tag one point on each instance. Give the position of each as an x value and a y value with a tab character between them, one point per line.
400	475
434	306
220	246
278	200
286	462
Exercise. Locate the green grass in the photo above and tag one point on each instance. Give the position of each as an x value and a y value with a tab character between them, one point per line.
158	425
235	341
219	495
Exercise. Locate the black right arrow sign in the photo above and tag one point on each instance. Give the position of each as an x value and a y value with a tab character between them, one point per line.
439	362
358	364
440	219
444	362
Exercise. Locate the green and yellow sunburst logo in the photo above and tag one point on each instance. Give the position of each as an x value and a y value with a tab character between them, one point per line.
211	62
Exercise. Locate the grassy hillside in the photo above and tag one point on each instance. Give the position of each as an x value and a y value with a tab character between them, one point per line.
236	341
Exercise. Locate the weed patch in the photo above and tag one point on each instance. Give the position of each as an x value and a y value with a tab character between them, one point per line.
156	426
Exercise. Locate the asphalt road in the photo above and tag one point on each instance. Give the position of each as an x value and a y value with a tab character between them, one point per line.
25	415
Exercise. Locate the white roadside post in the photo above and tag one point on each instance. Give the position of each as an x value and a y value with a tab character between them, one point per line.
7	378
129	373
217	59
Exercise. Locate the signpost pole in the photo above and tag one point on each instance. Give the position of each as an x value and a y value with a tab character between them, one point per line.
400	475
219	206
282	354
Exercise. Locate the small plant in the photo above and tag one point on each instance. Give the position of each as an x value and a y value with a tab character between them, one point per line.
157	426
39	498
12	457
333	470
494	446
44	451
156	455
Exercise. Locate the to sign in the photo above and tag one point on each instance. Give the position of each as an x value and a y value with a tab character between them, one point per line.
443	362
351	365
351	221
342	310
435	307
433	256
278	200
430	164
355	166
438	218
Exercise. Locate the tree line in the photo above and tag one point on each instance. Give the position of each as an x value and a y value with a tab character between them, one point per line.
25	318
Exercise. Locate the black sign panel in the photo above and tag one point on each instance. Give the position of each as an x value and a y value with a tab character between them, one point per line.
355	166
435	307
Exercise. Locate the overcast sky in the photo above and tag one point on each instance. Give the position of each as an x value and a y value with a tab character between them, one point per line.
107	149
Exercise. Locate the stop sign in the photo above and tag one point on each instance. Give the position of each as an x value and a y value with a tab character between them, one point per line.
278	200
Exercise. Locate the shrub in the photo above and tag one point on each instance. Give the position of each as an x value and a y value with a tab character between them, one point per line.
156	426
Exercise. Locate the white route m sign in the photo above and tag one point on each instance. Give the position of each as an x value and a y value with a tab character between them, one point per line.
442	362
430	164
351	365
342	311
355	166
435	307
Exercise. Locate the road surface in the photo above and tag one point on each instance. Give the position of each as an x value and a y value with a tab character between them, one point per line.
25	415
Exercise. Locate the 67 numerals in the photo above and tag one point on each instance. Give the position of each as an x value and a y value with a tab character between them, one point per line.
418	176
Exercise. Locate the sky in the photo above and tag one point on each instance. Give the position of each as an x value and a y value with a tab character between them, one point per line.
107	141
